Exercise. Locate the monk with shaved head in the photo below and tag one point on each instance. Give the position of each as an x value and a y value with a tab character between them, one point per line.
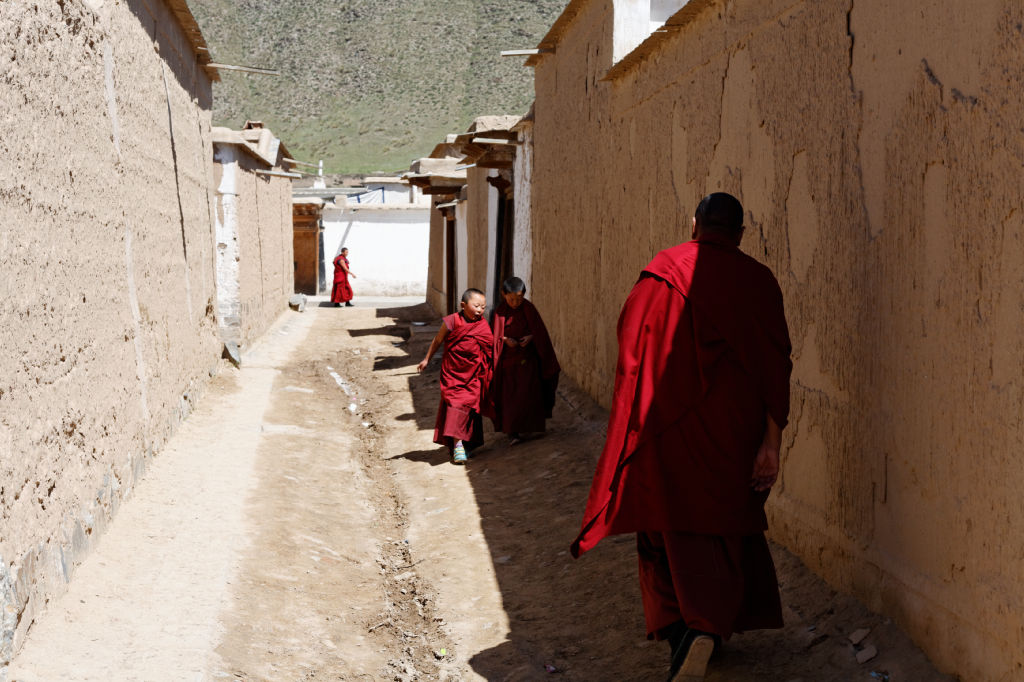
701	398
466	368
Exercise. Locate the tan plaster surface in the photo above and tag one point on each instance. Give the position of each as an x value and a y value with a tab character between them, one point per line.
106	313
876	147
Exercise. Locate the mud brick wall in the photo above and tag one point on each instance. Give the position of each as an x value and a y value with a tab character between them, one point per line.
436	266
256	209
107	330
877	148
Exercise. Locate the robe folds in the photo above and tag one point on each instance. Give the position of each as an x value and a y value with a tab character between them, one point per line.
522	392
342	290
704	357
466	368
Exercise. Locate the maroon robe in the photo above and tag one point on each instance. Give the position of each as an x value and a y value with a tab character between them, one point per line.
703	359
522	392
342	291
465	374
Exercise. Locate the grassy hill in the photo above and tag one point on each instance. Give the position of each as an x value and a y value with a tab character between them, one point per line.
369	85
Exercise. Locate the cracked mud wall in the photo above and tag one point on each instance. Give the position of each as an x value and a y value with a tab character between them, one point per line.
437	265
107	327
878	150
254	215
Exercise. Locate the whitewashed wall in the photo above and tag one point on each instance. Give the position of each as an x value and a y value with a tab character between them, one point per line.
388	249
522	247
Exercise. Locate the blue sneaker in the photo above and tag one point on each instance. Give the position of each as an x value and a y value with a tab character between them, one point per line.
459	454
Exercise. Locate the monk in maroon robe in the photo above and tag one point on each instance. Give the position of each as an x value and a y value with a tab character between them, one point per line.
701	398
465	375
526	370
342	291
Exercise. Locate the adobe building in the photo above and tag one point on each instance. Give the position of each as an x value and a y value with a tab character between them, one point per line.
488	149
108	320
441	177
253	223
877	150
386	227
476	240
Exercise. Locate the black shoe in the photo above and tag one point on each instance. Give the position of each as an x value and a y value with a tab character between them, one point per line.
348	304
691	650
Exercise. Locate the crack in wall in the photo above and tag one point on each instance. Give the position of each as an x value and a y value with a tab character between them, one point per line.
177	185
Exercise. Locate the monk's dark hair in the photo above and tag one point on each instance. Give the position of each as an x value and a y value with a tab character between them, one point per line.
513	285
344	248
720	212
468	293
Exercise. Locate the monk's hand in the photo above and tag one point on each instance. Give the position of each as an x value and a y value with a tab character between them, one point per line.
526	340
422	366
511	343
766	468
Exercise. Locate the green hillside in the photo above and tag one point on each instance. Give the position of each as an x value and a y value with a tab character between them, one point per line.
369	85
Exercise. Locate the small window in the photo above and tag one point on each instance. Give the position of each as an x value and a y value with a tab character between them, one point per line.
635	20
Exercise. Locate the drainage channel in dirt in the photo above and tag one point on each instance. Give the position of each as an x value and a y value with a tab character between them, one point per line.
328	588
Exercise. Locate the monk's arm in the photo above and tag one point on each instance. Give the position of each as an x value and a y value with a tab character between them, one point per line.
434	345
766	464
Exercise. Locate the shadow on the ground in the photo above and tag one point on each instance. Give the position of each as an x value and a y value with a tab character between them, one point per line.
396	330
434	457
421	312
583	618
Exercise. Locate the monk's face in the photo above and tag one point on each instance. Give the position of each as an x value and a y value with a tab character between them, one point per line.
473	309
513	300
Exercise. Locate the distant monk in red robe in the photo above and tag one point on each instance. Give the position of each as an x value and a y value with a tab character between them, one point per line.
342	291
526	370
701	398
466	368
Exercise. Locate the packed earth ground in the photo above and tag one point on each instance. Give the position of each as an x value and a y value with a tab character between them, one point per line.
301	525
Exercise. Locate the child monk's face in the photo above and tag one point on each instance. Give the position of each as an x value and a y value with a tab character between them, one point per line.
473	309
513	300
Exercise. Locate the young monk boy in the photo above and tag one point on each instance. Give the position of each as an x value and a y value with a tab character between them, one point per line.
526	369
465	374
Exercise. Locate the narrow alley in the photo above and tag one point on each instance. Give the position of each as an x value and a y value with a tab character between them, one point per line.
301	525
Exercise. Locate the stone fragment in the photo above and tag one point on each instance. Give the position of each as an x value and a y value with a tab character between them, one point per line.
297	302
232	353
857	636
867	653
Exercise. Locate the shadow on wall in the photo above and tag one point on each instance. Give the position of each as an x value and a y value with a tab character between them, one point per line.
157	21
584	617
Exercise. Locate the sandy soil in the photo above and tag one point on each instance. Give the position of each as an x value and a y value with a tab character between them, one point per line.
302	526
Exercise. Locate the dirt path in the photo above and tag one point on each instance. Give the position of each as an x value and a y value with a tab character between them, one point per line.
284	536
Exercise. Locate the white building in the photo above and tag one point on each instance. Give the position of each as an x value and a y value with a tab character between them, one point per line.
386	229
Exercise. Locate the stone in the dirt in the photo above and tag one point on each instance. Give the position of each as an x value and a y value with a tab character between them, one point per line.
857	636
232	353
297	302
867	653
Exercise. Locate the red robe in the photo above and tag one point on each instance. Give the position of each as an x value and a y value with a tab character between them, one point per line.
703	357
522	393
342	291
465	375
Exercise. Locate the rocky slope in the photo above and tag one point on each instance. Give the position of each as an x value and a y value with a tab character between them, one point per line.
368	85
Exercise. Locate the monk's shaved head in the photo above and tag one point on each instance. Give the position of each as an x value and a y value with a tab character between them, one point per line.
720	212
470	293
513	285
